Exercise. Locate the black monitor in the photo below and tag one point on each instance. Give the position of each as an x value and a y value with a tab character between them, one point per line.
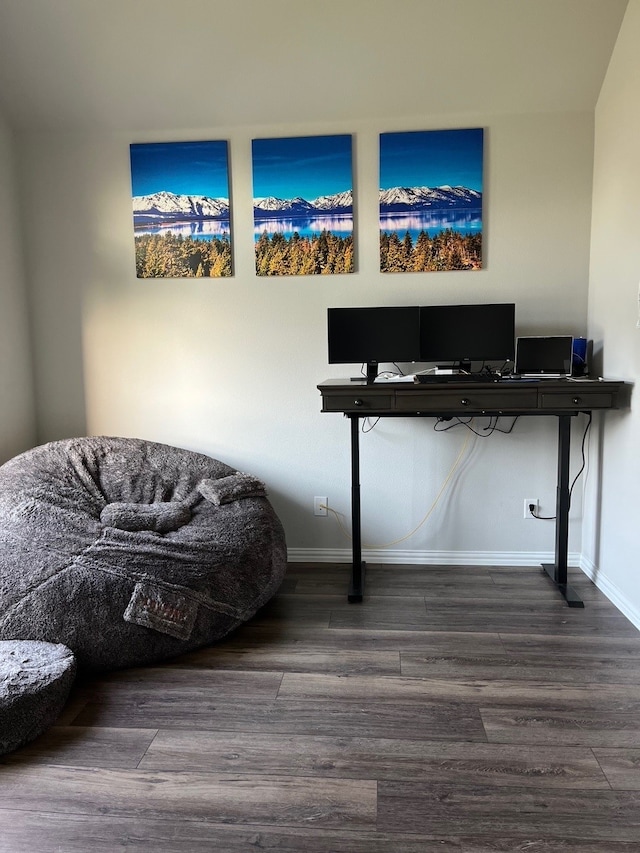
460	334
373	335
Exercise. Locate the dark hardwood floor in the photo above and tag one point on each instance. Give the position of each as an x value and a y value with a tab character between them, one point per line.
456	709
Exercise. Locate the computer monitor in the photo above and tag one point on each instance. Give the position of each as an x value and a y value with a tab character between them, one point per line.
459	334
373	335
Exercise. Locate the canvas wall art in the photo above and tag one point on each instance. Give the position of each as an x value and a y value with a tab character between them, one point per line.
181	210
431	200
303	205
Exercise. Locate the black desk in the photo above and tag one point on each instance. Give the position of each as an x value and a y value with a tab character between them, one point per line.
562	399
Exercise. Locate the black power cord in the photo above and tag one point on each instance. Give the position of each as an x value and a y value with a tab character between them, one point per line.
540	517
486	431
575	479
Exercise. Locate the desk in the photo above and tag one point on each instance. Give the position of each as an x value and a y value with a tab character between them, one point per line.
562	399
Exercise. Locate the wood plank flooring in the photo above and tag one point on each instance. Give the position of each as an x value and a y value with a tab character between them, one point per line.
460	710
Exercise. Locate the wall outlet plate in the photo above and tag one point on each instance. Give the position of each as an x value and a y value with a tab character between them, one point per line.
527	504
320	506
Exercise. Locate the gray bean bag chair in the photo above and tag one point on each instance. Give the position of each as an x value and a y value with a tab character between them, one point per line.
129	551
35	680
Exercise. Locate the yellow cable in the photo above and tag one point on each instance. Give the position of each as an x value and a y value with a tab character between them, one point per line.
428	513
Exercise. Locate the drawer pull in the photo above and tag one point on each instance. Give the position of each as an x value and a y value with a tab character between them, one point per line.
464	402
577	400
357	402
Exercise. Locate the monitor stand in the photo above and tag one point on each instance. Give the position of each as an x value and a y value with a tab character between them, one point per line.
372	371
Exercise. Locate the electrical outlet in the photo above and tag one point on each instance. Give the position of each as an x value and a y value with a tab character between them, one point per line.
320	506
527	503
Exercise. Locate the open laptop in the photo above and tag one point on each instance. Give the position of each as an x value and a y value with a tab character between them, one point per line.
544	357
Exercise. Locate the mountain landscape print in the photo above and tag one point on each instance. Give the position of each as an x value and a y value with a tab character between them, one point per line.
181	213
303	205
431	200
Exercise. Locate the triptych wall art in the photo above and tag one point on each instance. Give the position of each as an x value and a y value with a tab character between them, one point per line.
430	208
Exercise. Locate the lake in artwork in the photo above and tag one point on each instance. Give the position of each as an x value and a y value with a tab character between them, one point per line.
305	227
196	230
467	222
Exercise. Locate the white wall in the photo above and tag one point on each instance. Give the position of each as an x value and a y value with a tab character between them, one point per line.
17	424
229	367
611	540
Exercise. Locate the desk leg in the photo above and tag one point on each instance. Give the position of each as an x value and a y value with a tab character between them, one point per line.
558	570
356	586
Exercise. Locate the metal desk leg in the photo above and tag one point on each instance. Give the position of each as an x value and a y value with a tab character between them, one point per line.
356	586
558	570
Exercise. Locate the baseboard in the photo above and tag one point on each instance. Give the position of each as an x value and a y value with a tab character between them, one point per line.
428	558
470	558
611	591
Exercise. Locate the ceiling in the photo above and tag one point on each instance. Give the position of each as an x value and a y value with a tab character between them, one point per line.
151	65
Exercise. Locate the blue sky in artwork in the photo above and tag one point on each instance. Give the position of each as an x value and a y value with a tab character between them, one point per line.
431	158
185	168
309	166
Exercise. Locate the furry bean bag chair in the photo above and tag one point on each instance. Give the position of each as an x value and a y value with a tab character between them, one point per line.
35	680
129	551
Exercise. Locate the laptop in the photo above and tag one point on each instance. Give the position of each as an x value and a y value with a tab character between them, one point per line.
544	357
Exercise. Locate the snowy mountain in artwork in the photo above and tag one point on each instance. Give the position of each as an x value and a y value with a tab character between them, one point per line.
337	201
400	199
163	207
272	207
283	205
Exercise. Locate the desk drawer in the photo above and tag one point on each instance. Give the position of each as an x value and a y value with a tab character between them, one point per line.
576	400
356	403
467	400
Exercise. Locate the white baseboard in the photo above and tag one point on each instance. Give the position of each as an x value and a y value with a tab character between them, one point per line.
428	558
611	591
470	558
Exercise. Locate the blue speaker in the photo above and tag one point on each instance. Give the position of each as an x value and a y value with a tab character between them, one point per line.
579	357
